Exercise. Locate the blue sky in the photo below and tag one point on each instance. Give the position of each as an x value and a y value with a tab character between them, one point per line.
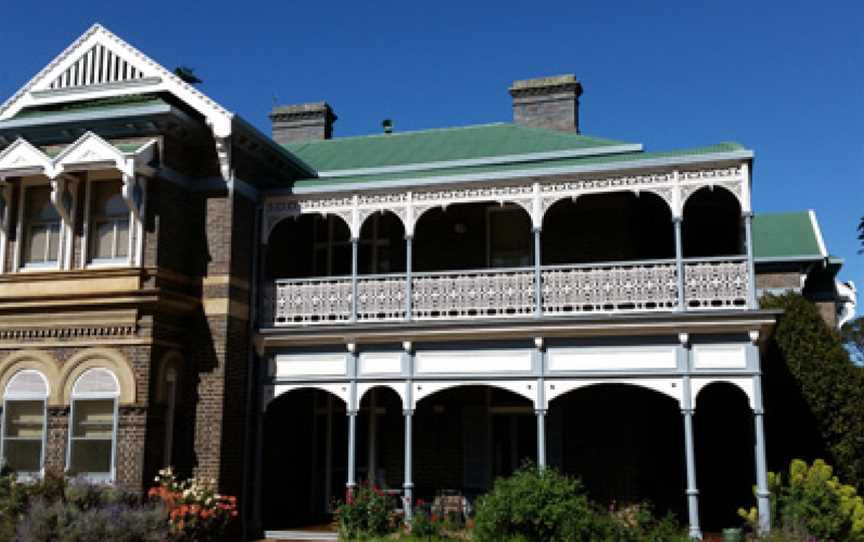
784	78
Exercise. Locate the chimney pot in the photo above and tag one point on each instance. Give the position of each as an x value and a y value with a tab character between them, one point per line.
547	102
302	122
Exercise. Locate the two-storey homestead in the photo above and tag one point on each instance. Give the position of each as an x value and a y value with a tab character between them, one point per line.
293	314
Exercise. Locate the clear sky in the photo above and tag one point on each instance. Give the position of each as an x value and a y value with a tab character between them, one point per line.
785	78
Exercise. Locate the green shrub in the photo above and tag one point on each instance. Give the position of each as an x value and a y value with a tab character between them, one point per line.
365	514
812	501
829	385
425	525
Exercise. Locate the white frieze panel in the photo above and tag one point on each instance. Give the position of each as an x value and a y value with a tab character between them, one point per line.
380	363
473	361
611	358
293	365
745	384
719	356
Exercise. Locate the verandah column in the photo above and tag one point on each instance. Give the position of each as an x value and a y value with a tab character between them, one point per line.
751	271
540	405
408	413
409	242
538	276
763	495
694	531
354	246
351	410
679	263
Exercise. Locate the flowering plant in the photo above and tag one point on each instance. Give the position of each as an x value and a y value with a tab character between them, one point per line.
195	511
365	512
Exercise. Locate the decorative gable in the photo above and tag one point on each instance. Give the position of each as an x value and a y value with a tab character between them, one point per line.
101	65
98	66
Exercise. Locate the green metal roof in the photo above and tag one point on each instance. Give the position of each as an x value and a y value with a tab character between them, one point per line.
439	145
105	104
787	236
539	165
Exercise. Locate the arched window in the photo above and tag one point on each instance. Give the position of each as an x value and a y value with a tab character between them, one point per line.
92	435
41	227
109	222
22	446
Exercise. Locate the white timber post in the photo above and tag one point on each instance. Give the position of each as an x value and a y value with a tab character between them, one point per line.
540	405
408	412
692	493
409	257
352	421
537	220
677	220
763	494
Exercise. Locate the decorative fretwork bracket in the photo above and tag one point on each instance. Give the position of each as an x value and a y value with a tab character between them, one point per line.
62	190
133	194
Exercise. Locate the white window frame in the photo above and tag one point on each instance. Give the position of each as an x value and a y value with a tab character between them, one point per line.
32	397
99	477
64	241
134	231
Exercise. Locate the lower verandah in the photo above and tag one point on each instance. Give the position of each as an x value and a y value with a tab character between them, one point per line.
625	443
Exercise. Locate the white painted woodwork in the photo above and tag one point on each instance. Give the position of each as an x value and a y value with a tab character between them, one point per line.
745	384
293	365
611	358
380	363
472	361
719	356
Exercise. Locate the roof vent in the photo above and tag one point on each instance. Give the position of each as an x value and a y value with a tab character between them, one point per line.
387	124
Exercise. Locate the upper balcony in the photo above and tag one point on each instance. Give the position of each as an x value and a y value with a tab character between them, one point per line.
660	242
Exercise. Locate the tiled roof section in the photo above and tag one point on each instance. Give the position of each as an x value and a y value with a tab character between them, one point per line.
786	236
540	165
438	145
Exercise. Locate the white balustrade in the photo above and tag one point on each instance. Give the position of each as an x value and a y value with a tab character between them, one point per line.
470	294
609	288
716	284
381	298
312	301
648	286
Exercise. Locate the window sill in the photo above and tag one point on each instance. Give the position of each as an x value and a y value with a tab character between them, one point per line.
102	264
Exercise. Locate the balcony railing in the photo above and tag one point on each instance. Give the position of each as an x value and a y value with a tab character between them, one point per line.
611	288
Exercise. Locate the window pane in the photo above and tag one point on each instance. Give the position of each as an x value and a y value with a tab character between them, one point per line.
103	239
93	419
25	419
36	243
92	436
23	455
22	436
39	205
108	199
42	224
53	242
122	238
90	456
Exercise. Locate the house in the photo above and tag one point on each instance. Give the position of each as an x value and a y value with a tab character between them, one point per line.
291	315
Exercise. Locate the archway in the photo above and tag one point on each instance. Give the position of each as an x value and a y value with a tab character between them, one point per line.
725	464
470	435
309	246
382	245
380	446
625	442
620	226
472	236
304	458
712	224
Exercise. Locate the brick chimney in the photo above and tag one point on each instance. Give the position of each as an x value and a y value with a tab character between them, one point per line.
547	102
302	122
